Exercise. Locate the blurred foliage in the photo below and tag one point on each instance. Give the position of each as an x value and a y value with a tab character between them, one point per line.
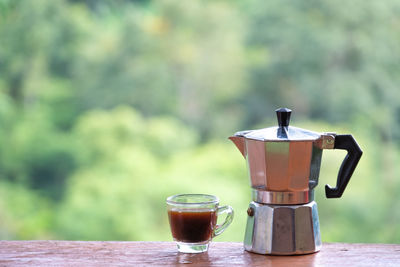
108	107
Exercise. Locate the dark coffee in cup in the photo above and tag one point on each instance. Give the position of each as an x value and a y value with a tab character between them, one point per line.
193	220
192	226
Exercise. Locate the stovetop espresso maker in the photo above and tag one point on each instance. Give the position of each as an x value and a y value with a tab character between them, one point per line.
284	164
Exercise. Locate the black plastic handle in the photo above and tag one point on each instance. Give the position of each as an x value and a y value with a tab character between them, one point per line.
354	152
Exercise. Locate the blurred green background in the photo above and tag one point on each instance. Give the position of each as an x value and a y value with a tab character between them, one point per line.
108	107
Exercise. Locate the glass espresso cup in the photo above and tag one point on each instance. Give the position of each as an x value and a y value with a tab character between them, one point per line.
193	220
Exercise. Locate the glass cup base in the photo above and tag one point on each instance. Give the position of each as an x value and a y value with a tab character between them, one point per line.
192	247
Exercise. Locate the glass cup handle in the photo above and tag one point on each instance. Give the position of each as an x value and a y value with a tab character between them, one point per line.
219	228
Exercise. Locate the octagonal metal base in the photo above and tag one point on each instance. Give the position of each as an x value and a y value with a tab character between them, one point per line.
282	230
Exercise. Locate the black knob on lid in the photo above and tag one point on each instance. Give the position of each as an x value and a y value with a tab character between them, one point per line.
283	115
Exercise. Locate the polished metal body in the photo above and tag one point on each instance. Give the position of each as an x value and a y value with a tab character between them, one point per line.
282	229
283	216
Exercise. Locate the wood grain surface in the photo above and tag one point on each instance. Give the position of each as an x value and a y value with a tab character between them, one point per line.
99	253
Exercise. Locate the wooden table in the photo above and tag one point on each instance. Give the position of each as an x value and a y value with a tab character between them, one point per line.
99	253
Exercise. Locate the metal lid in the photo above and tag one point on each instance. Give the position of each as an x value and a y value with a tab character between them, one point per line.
281	133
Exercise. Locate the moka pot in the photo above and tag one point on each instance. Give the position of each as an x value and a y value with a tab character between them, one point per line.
284	164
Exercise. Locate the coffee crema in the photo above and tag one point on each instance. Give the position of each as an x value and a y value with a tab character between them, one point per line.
192	226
